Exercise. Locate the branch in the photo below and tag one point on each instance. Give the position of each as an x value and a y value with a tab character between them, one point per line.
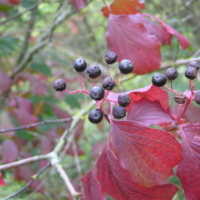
65	178
33	178
179	62
37	124
27	37
42	42
24	162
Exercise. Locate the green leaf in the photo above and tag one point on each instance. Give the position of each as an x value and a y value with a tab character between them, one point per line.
42	67
8	44
73	100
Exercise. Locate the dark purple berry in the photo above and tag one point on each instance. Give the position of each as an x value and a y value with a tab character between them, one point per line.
171	73
108	83
197	98
180	98
80	65
119	112
95	116
194	64
191	73
126	66
124	100
59	85
97	93
159	80
93	71
110	57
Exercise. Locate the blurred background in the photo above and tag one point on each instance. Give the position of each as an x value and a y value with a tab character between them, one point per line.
39	42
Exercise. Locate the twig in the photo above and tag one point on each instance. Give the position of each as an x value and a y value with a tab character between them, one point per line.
24	162
37	124
65	178
179	62
33	178
27	37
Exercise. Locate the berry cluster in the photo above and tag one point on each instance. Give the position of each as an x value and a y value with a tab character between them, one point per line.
98	92
159	80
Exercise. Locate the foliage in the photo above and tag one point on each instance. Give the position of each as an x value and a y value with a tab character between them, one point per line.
140	154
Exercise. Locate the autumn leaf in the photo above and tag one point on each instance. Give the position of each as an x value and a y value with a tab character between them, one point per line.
9	151
183	41
129	39
148	113
151	92
78	4
120	7
147	154
116	181
1	180
92	189
188	169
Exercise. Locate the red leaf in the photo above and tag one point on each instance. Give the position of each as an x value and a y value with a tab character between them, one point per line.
116	181
9	151
92	189
25	172
5	82
79	130
192	114
59	112
24	118
71	152
183	41
148	112
154	29
150	92
147	154
1	180
120	7
14	1
78	4
188	169
46	147
129	39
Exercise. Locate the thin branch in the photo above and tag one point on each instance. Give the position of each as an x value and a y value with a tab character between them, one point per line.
37	124
33	178
65	178
24	162
179	62
27	37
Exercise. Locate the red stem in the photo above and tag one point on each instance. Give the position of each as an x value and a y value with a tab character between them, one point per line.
171	85
170	89
107	6
118	78
93	82
185	108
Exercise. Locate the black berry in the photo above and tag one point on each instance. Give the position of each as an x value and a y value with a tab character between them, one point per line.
119	112
171	73
93	71
97	92
159	80
197	98
180	98
194	64
59	85
126	66
110	57
80	65
95	116
108	83
191	73
124	100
